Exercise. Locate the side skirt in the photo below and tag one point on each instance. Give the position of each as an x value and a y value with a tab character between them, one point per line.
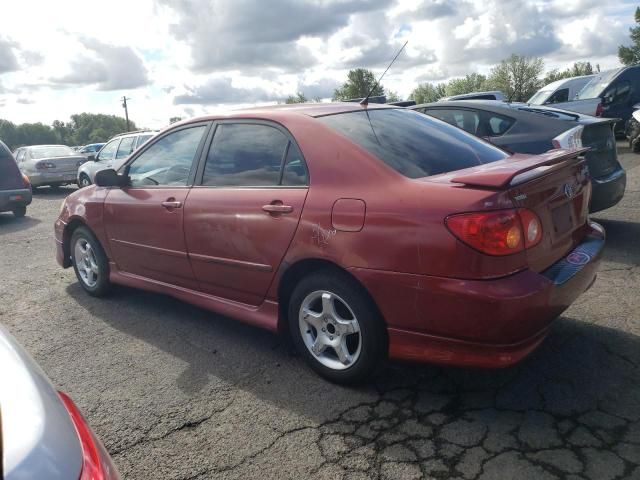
263	316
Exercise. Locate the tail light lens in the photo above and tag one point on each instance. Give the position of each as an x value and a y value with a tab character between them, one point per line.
96	463
26	181
499	232
44	165
599	110
572	138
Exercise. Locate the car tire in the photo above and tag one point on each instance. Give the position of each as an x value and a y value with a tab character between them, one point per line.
19	211
331	307
84	181
89	262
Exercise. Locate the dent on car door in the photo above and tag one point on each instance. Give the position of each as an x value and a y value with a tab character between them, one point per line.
144	220
244	210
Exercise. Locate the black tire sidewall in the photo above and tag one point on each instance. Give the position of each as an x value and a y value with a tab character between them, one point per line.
372	330
19	211
82	178
102	285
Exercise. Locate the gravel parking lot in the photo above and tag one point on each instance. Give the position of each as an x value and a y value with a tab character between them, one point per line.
179	393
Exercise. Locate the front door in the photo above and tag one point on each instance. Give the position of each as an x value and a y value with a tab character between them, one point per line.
144	221
244	210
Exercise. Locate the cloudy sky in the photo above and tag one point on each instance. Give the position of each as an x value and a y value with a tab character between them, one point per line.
188	57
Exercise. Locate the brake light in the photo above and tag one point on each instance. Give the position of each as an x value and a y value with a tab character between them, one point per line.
599	110
96	464
26	181
498	232
571	139
43	165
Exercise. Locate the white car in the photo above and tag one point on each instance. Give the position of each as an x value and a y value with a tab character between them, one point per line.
563	90
112	155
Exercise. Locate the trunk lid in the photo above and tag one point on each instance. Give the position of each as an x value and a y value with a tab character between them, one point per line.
555	185
65	164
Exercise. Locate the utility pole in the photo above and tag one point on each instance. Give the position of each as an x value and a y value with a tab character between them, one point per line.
126	112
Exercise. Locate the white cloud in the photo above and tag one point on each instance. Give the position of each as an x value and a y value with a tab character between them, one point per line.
179	58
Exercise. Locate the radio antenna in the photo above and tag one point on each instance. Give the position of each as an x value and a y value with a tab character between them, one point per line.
365	100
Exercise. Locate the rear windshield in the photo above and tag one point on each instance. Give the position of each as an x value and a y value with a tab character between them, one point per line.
53	151
412	143
597	84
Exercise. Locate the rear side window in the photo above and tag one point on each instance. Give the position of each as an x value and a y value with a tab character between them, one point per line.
498	125
295	171
245	155
413	144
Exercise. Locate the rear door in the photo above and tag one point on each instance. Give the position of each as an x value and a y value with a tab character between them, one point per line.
244	210
10	177
144	221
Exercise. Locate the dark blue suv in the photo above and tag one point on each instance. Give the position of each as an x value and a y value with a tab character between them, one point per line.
15	189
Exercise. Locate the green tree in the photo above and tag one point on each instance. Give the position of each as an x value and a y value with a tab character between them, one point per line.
297	98
631	55
428	92
91	127
64	132
35	134
577	70
518	77
8	134
359	83
392	96
474	82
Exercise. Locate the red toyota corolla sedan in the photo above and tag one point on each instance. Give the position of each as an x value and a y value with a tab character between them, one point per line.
363	231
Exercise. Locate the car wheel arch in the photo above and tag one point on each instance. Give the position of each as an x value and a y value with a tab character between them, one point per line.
305	267
71	227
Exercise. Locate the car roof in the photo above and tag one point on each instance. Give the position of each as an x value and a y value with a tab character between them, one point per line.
38	146
308	109
564	81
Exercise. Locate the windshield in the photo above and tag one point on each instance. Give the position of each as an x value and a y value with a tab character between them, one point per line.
596	86
412	143
540	97
53	151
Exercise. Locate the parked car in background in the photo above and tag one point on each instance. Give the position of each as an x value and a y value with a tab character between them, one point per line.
632	130
562	90
15	189
91	150
53	165
43	433
523	128
493	95
428	244
610	94
112	155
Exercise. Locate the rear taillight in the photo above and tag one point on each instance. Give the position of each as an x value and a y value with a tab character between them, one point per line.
499	232
26	181
572	138
599	110
96	463
44	165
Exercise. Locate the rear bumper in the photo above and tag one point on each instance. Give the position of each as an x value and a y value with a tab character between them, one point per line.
52	178
9	199
486	323
608	191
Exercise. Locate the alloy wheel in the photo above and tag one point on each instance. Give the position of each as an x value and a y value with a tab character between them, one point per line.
86	263
330	330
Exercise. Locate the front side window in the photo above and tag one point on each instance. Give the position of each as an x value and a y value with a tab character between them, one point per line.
558	96
168	161
464	119
413	144
108	151
126	147
243	154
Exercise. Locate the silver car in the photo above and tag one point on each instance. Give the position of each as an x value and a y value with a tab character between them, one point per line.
53	165
112	155
43	433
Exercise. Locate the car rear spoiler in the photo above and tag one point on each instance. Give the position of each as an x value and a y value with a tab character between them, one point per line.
513	170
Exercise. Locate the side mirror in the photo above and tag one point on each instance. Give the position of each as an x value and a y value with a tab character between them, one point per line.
108	178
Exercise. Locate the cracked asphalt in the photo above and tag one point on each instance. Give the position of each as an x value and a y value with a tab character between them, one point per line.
176	392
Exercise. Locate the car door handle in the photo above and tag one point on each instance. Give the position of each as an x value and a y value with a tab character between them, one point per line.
171	204
277	208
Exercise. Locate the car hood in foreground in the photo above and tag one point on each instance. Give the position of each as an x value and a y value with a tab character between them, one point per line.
39	439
